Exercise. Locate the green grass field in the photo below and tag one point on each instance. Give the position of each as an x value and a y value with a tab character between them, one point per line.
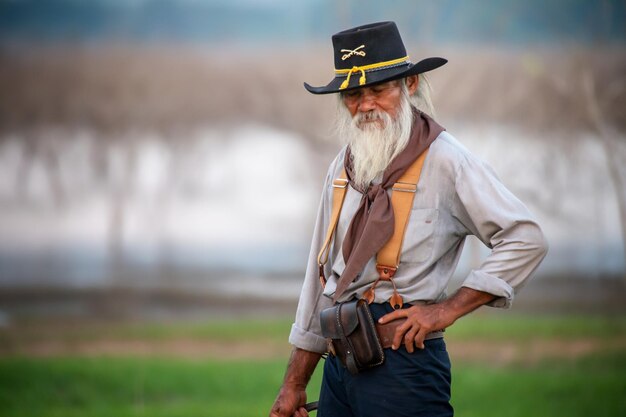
583	382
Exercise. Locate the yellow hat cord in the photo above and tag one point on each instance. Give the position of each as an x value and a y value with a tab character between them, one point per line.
362	79
346	82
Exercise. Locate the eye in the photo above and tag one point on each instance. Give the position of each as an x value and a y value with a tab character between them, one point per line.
382	88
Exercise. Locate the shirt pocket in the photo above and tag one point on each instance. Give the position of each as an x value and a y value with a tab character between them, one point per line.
419	237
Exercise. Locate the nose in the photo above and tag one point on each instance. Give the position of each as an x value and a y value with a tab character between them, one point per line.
367	101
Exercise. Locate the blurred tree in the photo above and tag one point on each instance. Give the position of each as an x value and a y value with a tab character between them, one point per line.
613	142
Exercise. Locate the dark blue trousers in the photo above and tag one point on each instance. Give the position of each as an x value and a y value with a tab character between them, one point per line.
407	384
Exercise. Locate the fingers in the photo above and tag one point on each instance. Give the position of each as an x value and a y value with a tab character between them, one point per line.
419	338
287	404
399	335
411	333
409	338
396	314
301	412
277	412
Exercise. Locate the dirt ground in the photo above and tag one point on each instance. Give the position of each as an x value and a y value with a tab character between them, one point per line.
46	323
496	353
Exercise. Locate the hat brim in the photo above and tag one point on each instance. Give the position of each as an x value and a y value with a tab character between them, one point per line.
375	77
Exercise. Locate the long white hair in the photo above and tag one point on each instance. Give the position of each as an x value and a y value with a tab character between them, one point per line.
421	98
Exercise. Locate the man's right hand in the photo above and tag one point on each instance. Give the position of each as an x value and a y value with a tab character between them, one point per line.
290	402
292	395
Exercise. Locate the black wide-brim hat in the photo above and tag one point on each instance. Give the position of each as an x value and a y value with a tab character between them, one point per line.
371	54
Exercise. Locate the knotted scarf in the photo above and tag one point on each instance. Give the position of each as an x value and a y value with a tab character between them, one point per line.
373	223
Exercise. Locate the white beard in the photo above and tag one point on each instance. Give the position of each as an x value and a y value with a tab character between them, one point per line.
373	147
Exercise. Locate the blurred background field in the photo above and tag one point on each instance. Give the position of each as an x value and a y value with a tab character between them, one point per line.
512	365
160	168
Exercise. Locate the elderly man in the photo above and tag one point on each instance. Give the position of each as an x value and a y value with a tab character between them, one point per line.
366	246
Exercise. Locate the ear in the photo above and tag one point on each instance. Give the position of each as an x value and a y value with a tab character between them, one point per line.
412	82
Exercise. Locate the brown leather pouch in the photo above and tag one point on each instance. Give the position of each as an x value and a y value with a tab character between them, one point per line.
352	336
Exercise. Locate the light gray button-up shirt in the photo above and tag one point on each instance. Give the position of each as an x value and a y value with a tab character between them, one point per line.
457	195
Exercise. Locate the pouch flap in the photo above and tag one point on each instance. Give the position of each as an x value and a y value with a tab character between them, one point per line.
349	320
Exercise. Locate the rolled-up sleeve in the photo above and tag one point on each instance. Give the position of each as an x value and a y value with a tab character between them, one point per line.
502	222
306	331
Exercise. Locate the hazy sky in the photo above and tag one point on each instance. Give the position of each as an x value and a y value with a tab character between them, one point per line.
456	21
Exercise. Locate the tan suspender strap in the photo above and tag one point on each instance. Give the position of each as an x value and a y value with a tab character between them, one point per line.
388	257
340	186
403	193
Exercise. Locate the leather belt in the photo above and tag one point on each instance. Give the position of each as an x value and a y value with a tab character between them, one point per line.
387	331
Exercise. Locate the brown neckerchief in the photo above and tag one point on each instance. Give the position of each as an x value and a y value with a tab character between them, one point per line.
373	223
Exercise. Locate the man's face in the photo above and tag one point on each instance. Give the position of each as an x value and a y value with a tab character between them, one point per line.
375	122
385	97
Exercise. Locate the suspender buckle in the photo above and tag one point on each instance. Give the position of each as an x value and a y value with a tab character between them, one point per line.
405	187
340	183
386	272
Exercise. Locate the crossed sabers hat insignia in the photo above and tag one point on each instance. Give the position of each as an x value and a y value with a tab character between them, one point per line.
351	52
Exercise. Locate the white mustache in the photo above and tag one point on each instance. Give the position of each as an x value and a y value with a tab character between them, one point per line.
369	116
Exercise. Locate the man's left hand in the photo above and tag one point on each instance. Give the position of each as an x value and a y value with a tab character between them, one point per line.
420	320
423	319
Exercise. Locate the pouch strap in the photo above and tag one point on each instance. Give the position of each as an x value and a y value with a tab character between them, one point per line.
350	359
